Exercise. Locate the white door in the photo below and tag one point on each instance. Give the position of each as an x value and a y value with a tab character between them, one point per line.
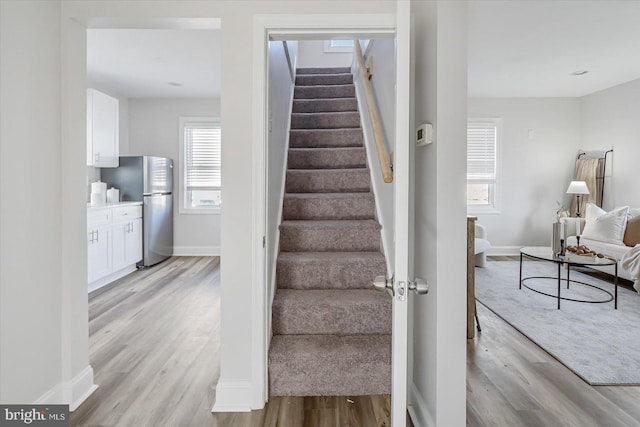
402	178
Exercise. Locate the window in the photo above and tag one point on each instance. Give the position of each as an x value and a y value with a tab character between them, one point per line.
201	165
338	46
483	139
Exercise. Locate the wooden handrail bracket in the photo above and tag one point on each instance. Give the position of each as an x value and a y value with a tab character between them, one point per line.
383	155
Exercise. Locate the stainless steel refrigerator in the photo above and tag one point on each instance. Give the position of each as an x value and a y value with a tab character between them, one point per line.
148	179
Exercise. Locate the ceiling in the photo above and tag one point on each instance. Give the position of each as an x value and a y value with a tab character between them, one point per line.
155	63
530	48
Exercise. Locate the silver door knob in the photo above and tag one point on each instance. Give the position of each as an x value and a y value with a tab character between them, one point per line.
381	283
419	286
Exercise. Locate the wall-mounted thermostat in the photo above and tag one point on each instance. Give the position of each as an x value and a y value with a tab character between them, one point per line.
424	134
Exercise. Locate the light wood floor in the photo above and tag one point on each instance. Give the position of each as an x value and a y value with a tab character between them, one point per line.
513	382
154	348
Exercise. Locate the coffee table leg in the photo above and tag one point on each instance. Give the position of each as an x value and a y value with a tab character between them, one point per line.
559	268
568	271
520	283
615	284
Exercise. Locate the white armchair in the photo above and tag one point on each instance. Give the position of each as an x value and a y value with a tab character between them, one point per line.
482	245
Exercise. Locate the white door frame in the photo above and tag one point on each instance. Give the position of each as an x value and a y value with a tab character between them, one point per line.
283	27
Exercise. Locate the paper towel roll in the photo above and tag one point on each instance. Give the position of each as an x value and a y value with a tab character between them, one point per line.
113	195
99	187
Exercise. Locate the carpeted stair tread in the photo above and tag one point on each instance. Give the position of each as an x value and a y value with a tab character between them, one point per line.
324	79
327	158
334	70
309	138
329	270
331	311
324	105
331	120
324	91
328	180
329	365
323	236
328	206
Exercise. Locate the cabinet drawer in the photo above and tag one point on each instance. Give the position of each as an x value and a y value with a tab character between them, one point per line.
127	212
97	217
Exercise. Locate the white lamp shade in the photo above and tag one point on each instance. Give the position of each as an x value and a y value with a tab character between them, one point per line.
578	187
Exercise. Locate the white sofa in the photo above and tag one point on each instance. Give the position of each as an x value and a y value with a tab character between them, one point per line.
482	245
609	249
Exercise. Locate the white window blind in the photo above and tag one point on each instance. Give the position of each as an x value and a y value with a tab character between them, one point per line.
482	151
202	156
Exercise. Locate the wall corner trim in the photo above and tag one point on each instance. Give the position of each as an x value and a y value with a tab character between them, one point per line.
233	396
72	393
418	410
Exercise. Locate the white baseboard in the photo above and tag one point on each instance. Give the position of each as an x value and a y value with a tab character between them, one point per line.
420	415
71	393
111	277
233	396
504	250
196	251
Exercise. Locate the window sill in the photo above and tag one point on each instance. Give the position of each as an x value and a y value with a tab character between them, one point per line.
488	210
215	211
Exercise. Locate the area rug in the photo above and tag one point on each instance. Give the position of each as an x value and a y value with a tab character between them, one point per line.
599	344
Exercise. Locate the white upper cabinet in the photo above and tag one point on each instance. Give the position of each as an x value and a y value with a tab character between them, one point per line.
102	130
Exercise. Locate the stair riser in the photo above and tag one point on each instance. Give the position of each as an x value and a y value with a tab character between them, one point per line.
325	120
335	70
322	274
304	369
334	181
328	209
332	318
324	240
326	138
324	105
324	79
336	91
327	158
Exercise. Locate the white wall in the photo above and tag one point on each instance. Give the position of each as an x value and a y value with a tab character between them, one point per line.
385	98
439	339
611	118
30	212
154	131
312	54
535	173
281	84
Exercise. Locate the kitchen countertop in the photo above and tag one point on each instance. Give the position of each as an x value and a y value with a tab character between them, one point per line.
113	205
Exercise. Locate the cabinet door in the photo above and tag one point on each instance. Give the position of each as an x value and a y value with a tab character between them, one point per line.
98	253
102	129
134	242
120	235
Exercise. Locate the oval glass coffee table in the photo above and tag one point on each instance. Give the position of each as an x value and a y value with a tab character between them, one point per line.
546	254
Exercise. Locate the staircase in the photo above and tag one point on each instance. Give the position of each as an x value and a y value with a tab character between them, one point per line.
331	331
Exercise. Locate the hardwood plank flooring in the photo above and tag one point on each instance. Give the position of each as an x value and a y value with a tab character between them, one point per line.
513	382
154	347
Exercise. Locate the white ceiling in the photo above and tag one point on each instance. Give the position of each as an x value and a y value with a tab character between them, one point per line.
530	48
149	63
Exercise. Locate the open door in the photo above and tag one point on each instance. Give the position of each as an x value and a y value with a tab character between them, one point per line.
403	283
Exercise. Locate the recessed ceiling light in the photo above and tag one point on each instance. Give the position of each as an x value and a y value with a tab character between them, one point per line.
579	73
175	84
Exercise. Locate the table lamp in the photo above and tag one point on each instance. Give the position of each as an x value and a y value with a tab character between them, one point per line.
578	188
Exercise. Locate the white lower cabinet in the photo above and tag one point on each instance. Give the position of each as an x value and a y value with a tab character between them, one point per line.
98	252
114	243
127	243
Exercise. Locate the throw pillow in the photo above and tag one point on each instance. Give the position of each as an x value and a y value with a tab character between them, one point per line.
632	233
605	226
